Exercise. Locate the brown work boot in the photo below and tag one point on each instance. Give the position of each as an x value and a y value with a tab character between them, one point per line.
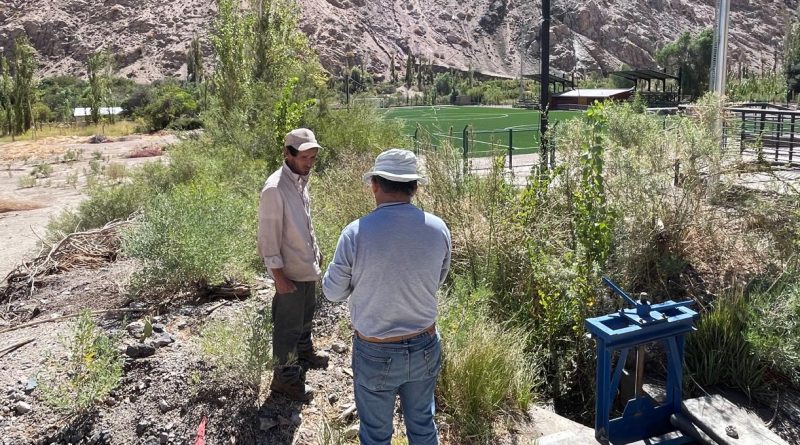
288	380
311	359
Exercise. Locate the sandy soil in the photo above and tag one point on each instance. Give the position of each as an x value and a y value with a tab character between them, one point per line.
21	230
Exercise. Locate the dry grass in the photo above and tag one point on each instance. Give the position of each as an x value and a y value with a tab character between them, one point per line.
121	128
12	204
146	152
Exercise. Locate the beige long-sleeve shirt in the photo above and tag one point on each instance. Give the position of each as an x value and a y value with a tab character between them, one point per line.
285	233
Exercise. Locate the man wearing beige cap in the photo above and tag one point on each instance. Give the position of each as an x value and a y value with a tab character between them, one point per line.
390	264
288	247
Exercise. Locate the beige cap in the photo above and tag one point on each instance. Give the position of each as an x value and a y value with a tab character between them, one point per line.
301	139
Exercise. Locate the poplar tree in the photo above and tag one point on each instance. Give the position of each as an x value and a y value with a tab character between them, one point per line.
194	62
6	92
409	70
24	87
791	59
98	68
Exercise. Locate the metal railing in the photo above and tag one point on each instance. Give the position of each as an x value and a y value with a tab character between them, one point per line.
771	135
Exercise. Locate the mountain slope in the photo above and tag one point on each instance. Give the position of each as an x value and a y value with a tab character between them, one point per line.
149	38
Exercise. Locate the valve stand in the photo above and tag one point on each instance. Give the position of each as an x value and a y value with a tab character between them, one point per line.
622	331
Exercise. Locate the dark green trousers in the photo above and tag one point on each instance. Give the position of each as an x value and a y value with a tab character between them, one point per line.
292	315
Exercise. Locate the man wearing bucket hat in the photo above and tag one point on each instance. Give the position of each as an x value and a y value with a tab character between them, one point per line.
390	263
287	244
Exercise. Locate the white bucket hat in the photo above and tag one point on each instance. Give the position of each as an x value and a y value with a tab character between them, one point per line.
396	165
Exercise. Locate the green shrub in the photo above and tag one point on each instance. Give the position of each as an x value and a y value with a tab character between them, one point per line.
26	181
105	204
169	104
485	370
93	369
718	353
361	129
339	196
42	171
774	329
200	233
240	348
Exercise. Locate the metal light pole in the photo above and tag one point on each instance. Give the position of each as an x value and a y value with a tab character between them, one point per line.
719	55
544	78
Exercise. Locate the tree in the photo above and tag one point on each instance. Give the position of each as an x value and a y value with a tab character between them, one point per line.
24	86
409	70
98	70
692	55
791	59
392	71
6	94
194	62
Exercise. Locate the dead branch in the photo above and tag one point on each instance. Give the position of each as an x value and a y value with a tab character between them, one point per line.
79	249
15	346
216	306
64	317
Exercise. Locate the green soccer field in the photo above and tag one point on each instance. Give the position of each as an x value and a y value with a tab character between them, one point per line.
492	127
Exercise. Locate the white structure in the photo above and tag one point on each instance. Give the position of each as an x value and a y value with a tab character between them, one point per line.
85	112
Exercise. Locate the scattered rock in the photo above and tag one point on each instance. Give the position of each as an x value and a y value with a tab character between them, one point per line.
31	385
142	427
140	350
22	407
136	329
163	406
332	398
162	339
339	348
158	327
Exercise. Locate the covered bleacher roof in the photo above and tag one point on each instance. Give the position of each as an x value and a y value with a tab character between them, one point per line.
636	75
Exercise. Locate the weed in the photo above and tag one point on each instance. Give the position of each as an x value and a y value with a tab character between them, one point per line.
72	179
115	171
485	368
42	170
239	347
93	369
95	166
26	181
718	353
72	155
333	432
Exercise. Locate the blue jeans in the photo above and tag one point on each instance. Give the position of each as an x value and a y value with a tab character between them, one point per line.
381	371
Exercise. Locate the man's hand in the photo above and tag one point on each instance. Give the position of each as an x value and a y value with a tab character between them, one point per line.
283	285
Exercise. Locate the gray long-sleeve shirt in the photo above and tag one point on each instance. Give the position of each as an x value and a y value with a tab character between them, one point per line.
285	234
390	263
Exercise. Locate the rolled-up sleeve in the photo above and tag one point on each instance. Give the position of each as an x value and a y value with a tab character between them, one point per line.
270	228
336	284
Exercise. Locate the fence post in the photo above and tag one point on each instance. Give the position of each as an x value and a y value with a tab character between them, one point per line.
510	148
778	131
741	143
465	141
791	139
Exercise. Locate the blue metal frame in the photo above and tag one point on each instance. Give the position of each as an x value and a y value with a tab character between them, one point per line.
666	322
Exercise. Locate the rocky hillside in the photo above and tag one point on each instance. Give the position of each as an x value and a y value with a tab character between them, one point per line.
149	37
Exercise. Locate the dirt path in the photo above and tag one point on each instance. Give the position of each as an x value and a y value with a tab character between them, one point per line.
26	208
